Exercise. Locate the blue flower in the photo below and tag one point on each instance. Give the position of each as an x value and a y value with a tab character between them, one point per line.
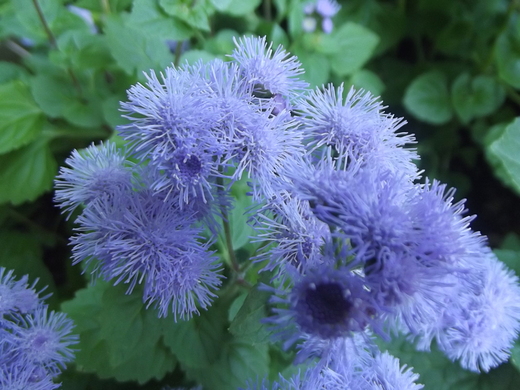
35	344
92	172
296	234
357	127
141	237
270	73
16	296
175	127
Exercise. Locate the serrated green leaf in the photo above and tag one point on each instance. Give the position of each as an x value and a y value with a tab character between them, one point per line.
510	257
477	97
57	97
146	52
194	13
428	99
316	65
149	18
247	324
119	338
28	16
241	7
198	342
438	372
21	120
82	50
22	253
10	72
369	81
241	231
507	56
505	150
194	56
238	362
26	173
352	46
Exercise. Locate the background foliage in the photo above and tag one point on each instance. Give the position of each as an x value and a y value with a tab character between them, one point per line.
62	76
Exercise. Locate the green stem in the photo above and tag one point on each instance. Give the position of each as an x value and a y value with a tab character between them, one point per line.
178	52
20	218
106	7
54	45
227	232
267	10
50	35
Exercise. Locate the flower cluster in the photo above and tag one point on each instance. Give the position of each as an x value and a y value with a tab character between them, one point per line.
35	343
356	241
320	10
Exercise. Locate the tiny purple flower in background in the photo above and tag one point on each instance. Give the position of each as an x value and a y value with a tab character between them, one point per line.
322	10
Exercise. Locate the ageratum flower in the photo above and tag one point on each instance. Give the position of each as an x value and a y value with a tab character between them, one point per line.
92	172
273	75
174	126
296	235
145	238
479	325
16	296
35	344
357	127
42	339
321	307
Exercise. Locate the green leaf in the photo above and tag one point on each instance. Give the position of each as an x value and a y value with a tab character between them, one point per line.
22	252
247	324
428	99
21	120
197	343
26	172
369	81
240	7
222	42
149	18
238	362
511	258
58	97
438	372
119	338
352	46
507	57
505	150
10	72
194	13
28	17
146	52
82	50
477	97
193	56
241	231
316	65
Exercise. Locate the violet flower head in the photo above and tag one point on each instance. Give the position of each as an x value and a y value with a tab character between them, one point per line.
269	73
16	296
357	127
295	232
92	172
172	127
384	371
143	237
479	327
323	10
35	344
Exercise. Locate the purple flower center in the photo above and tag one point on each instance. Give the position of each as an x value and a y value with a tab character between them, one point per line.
326	303
191	166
